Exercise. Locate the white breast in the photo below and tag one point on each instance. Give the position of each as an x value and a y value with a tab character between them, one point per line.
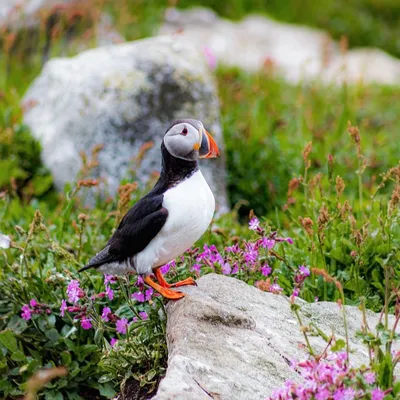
190	207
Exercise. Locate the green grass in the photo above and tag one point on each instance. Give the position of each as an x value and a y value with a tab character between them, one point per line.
267	123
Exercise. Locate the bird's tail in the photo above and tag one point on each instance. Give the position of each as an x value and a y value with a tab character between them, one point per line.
99	259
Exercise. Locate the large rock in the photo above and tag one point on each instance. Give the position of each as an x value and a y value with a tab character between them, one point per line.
122	96
296	52
228	340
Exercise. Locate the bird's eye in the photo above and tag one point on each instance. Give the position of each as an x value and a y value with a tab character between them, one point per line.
184	132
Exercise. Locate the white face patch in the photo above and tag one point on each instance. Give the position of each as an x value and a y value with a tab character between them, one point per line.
183	141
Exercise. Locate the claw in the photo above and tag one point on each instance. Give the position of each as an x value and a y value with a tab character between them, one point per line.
165	292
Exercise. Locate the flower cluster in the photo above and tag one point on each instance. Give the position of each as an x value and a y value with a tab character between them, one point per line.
248	257
83	306
330	378
33	308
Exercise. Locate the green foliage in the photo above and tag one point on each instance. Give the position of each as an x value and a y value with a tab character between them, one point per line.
21	170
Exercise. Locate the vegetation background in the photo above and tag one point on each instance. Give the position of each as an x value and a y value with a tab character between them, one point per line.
294	156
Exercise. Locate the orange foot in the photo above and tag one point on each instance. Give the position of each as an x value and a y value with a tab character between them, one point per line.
165	292
164	283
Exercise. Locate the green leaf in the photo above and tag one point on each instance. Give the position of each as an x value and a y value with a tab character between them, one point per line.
52	335
107	390
17	324
18	356
7	339
66	358
53	395
339	345
106	378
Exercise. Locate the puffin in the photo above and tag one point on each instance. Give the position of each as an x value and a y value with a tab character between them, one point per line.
170	218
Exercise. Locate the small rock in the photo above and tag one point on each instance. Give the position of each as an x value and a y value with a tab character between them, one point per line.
122	96
230	341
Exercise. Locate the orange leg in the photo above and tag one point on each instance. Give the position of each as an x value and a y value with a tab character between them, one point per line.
164	283
165	292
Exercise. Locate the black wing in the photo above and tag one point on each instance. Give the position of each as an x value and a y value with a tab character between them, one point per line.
136	230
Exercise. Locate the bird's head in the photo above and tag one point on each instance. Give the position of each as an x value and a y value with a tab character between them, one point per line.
187	139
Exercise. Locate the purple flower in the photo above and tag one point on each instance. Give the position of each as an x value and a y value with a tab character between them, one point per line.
210	57
266	270
304	270
139	296
26	312
195	268
109	293
275	288
251	254
296	292
288	240
122	325
139	281
226	268
113	341
267	243
377	394
85	323
254	224
74	292
322	394
235	269
108	279
165	268
143	315
316	298
33	303
105	314
233	249
369	378
149	292
63	307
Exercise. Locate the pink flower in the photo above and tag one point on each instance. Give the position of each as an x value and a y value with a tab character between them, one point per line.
266	270
287	240
108	279
322	394
26	312
85	323
63	307
74	292
210	57
251	253
316	298
369	378
267	243
235	269
233	249
109	293
195	268
275	288
113	341
149	292
296	292
304	270
165	268
143	315
226	268
33	303
106	312
139	281
122	325
139	296
254	224
377	394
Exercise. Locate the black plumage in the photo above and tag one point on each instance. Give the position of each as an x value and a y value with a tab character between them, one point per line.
147	217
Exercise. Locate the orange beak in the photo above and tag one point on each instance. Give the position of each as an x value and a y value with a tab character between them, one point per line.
208	148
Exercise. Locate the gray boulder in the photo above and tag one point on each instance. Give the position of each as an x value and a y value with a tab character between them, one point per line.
122	96
228	340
